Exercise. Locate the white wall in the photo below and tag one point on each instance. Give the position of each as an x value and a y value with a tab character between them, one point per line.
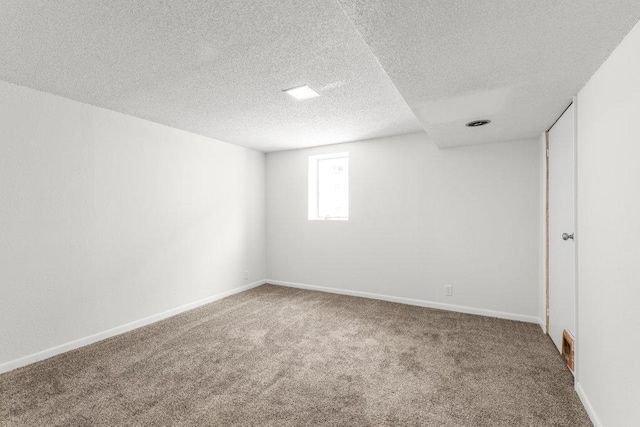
420	218
106	219
608	237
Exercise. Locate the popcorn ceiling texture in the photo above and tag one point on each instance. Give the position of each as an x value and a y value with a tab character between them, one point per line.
216	68
455	56
277	356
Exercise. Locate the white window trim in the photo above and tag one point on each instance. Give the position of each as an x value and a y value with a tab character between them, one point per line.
314	187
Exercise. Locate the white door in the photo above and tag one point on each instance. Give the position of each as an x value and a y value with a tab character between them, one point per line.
562	251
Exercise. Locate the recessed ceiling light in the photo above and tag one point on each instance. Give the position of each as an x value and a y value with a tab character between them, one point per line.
301	92
477	123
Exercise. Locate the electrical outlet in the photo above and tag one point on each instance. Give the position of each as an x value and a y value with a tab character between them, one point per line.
246	275
448	290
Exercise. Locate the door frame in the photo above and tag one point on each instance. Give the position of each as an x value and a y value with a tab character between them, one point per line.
546	229
575	231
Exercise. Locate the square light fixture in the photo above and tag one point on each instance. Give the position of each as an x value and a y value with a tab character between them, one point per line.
301	92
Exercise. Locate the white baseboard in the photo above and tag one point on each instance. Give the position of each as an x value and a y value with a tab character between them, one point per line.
543	325
587	405
45	354
409	301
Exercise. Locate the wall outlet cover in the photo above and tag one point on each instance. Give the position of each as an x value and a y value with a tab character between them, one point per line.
448	290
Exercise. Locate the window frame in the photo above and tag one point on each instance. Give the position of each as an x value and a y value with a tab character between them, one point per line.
313	213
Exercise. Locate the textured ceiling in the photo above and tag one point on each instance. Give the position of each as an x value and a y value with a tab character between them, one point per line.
517	62
216	68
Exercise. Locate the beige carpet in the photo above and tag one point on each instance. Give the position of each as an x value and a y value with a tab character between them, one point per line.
286	357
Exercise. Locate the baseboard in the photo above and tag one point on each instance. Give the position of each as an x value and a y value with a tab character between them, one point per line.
543	325
54	351
587	405
409	301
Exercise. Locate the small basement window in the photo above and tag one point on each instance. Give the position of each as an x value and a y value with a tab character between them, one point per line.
329	187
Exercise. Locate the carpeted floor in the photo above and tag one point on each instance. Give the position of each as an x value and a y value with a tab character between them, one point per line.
286	357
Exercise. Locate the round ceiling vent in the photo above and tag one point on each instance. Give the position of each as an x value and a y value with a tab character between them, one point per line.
477	123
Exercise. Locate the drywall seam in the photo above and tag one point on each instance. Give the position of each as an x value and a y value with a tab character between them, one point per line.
410	301
587	405
82	342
